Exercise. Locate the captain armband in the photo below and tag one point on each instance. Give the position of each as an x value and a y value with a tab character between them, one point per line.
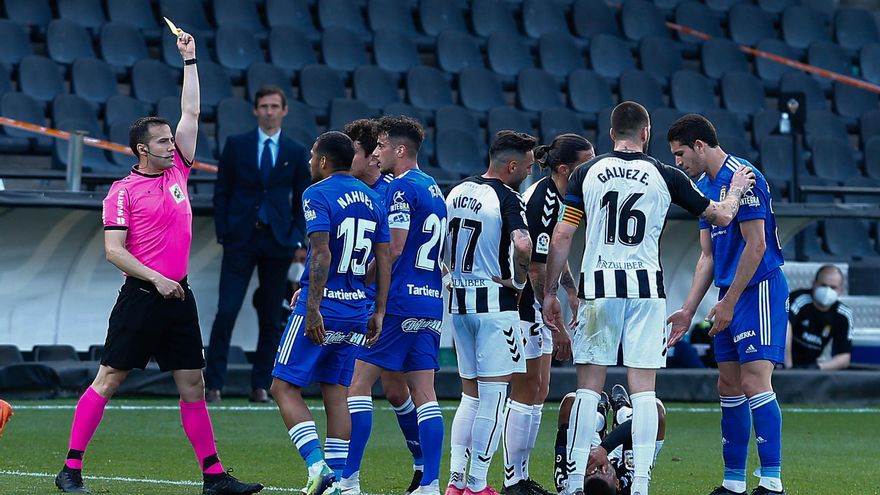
571	215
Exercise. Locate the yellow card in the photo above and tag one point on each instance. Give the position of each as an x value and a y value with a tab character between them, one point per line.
174	29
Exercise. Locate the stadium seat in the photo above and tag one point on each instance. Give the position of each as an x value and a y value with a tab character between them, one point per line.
456	117
640	18
722	5
799	81
458	152
697	16
869	125
854	28
872	157
5	80
589	93
833	159
32	14
342	14
14	43
124	109
67	41
638	85
343	49
344	110
775	6
293	14
777	157
171	55
168	108
86	13
407	110
318	85
869	62
769	71
55	353
394	15
851	102
20	106
122	45
592	17
691	92
187	14
457	50
238	14
137	14
40	78
118	133
829	56
610	56
214	86
742	93
151	80
375	87
96	351
822	123
765	123
603	143
749	24
428	88
93	159
726	122
660	57
234	116
395	51
720	56
661	120
237	49
508	54
35	380
290	49
480	89
492	16
301	117
737	146
560	54
507	118
93	80
437	16
556	121
10	354
541	17
849	237
801	26
536	90
861	198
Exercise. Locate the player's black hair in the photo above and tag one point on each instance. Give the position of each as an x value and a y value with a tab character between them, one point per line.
405	130
511	141
270	90
139	131
364	131
628	119
594	485
688	129
337	148
828	267
564	149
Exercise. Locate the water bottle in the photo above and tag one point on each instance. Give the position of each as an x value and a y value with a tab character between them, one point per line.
784	124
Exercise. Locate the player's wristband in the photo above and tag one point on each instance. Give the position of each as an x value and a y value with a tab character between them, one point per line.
516	285
191	61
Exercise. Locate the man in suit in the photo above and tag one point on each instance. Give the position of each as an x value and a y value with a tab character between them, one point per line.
259	220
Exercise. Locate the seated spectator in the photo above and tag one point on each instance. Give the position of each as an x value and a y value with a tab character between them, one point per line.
816	317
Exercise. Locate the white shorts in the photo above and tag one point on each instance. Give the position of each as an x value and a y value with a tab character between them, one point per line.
603	323
539	339
488	344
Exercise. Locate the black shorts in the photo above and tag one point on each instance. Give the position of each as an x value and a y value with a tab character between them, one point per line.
143	324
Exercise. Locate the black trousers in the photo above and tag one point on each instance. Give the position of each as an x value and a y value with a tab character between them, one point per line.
272	261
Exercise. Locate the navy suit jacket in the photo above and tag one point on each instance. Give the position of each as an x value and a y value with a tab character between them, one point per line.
239	191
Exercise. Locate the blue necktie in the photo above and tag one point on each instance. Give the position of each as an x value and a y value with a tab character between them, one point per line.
265	170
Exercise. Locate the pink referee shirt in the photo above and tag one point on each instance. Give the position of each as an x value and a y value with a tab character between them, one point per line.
156	212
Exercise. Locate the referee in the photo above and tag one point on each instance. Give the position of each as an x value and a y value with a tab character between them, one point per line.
147	234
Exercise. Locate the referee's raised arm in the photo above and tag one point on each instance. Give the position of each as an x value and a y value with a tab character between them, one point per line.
187	131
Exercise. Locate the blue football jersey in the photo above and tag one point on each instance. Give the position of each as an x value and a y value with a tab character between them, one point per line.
380	186
353	215
728	242
416	204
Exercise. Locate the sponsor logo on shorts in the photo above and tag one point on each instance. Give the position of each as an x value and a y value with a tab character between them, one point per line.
177	193
751	349
352	338
412	325
542	246
743	335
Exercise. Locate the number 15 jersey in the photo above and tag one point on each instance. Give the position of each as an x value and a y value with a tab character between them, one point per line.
625	197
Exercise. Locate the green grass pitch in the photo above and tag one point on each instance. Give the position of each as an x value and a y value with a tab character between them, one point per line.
826	451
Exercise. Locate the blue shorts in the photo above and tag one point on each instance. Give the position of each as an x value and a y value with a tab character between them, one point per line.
757	331
405	344
301	362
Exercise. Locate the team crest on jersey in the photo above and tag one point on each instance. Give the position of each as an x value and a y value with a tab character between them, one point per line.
398	202
542	246
308	212
177	193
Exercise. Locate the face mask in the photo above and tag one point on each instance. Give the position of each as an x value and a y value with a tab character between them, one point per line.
296	271
825	296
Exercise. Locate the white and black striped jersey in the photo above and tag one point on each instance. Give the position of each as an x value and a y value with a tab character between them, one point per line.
624	198
542	201
482	214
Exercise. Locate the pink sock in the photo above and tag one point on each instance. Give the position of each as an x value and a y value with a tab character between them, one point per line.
89	411
197	425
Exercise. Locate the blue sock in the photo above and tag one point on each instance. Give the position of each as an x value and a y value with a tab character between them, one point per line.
736	426
430	425
305	436
409	425
361	409
768	432
337	452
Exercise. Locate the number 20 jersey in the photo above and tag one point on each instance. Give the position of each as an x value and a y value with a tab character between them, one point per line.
624	198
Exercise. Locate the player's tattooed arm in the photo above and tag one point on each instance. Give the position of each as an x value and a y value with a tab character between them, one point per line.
537	274
319	268
721	213
522	254
567	280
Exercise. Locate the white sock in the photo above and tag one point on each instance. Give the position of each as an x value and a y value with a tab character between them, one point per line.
517	426
658	446
581	427
486	432
537	412
644	438
460	439
599	428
